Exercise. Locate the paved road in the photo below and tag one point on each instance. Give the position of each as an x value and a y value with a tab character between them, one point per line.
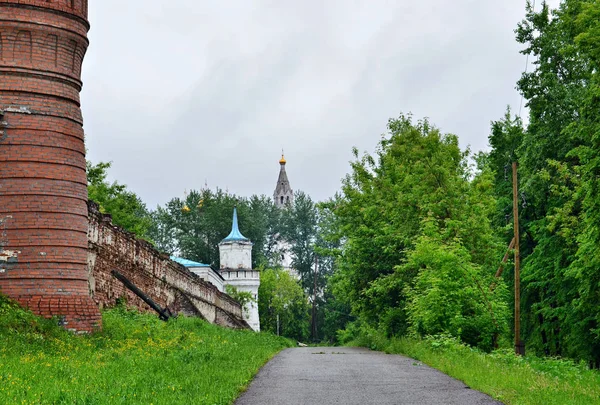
342	375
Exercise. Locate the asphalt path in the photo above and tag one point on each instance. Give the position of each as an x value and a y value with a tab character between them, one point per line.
344	375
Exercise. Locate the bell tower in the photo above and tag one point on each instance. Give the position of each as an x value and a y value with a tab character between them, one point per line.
283	195
43	185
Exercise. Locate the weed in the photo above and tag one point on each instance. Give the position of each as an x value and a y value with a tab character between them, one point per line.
501	374
136	359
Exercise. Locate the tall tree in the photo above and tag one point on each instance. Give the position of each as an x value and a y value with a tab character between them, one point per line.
282	305
556	157
126	208
419	176
194	226
299	228
586	267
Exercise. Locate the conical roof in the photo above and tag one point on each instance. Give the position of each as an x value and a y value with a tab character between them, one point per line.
235	235
283	184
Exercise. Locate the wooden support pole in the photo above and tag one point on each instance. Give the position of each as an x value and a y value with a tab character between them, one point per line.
519	347
505	258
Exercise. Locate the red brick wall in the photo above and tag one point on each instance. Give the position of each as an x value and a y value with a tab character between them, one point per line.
166	282
43	193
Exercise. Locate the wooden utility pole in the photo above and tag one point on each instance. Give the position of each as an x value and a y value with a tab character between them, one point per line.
519	347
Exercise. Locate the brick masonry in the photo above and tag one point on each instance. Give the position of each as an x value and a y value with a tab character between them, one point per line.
43	193
168	283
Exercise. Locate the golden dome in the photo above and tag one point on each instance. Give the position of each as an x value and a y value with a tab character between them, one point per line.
185	209
282	161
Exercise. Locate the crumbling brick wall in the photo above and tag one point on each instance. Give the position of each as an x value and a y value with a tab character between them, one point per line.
168	283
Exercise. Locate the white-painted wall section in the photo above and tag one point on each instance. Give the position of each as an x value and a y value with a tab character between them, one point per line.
208	274
235	255
247	281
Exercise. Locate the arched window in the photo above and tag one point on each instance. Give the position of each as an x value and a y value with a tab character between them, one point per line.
287	199
282	199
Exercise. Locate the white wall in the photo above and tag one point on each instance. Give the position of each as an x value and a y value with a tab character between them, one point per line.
208	274
247	281
235	255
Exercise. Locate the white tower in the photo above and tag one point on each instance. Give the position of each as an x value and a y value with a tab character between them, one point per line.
235	252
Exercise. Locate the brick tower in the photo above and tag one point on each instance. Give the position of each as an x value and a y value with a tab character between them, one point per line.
43	193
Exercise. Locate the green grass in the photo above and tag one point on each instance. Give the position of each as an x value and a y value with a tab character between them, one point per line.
504	376
136	359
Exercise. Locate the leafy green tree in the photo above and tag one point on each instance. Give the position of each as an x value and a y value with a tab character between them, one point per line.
585	269
281	300
308	229
162	230
418	176
451	294
126	208
336	313
299	228
194	226
557	155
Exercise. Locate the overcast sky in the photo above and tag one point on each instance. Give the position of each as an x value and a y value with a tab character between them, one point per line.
182	92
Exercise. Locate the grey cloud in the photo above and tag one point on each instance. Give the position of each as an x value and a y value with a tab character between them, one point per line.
181	91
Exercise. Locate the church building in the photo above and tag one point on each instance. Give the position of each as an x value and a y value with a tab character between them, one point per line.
236	270
235	253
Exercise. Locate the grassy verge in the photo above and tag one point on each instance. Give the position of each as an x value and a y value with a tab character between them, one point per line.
502	375
136	359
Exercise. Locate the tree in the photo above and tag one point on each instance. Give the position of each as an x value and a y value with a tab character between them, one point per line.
306	227
299	228
195	225
586	267
162	230
126	208
281	302
558	169
419	180
451	294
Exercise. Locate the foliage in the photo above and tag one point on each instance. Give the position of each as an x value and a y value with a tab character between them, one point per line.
558	170
242	297
586	267
300	229
501	374
450	293
418	247
281	297
309	232
194	226
136	359
336	317
126	208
